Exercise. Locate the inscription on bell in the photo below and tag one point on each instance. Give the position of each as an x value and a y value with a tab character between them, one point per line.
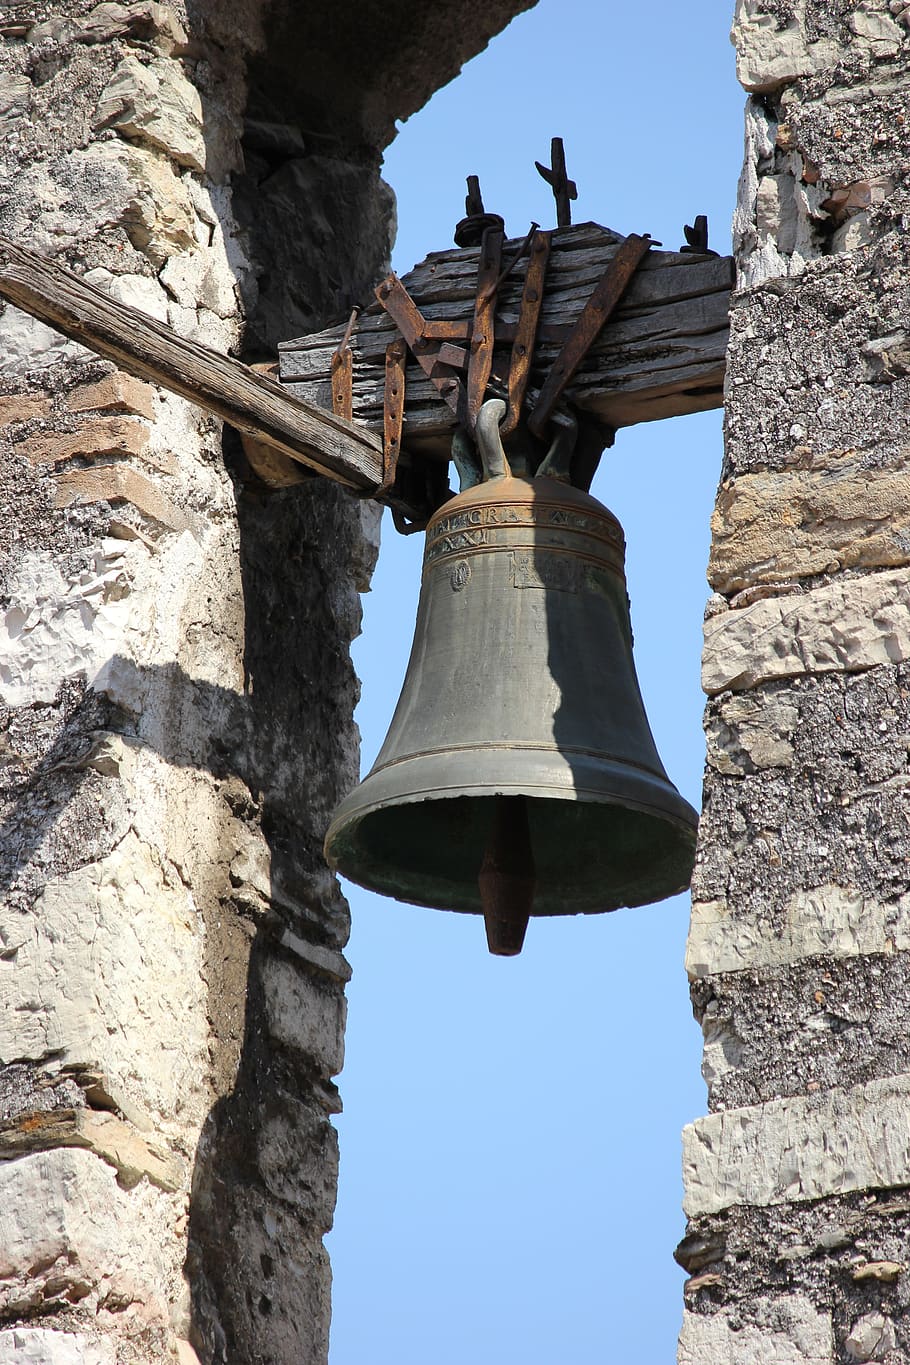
558	572
540	570
474	528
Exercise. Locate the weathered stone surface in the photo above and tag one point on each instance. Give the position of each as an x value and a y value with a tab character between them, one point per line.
158	214
776	832
53	624
23	407
44	1346
802	1027
132	1156
271	1278
297	1158
75	623
802	392
107	970
750	731
774	528
304	1013
70	1235
30	346
826	921
145	21
845	626
871	1338
157	104
785	1331
771	53
801	1148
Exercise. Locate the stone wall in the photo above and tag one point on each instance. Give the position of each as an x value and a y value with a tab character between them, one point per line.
175	685
798	1243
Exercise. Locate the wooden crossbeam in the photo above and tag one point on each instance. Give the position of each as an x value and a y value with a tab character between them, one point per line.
254	404
662	353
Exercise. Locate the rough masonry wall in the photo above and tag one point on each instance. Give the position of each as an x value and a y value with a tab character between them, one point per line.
798	1243
175	685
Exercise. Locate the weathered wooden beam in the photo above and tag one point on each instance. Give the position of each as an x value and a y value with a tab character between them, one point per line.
662	354
254	404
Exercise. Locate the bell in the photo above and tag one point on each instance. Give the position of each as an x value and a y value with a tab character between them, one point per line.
519	775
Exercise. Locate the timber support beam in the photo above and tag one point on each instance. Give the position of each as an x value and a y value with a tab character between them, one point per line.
256	405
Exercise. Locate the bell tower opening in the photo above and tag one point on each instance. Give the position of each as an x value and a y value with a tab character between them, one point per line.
493	1217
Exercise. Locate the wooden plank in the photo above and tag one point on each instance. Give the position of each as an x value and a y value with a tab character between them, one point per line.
141	345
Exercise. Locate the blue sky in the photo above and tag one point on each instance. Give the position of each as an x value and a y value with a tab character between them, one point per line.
510	1153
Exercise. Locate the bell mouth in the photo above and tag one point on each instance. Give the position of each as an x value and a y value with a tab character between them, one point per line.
591	854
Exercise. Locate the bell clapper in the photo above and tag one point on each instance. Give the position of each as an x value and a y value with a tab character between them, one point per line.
507	877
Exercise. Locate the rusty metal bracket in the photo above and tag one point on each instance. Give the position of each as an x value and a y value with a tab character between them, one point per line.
480	361
418	333
696	235
469	232
526	331
343	373
600	305
393	411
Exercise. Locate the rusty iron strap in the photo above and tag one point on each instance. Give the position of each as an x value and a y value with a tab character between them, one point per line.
526	331
412	325
343	373
480	361
595	313
393	411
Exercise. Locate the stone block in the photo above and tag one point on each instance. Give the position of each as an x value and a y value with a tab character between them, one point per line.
157	104
770	54
803	1027
811	406
117	392
871	1338
56	626
773	528
123	436
132	1156
877	29
158	214
826	921
22	407
297	1157
846	626
273	1276
106	971
304	1013
44	1346
750	731
117	483
29	346
780	1331
775	832
69	1233
15	93
145	21
137	291
197	280
801	1148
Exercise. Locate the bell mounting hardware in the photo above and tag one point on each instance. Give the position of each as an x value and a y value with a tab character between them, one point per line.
519	776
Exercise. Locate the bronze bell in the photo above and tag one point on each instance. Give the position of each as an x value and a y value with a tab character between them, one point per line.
519	774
